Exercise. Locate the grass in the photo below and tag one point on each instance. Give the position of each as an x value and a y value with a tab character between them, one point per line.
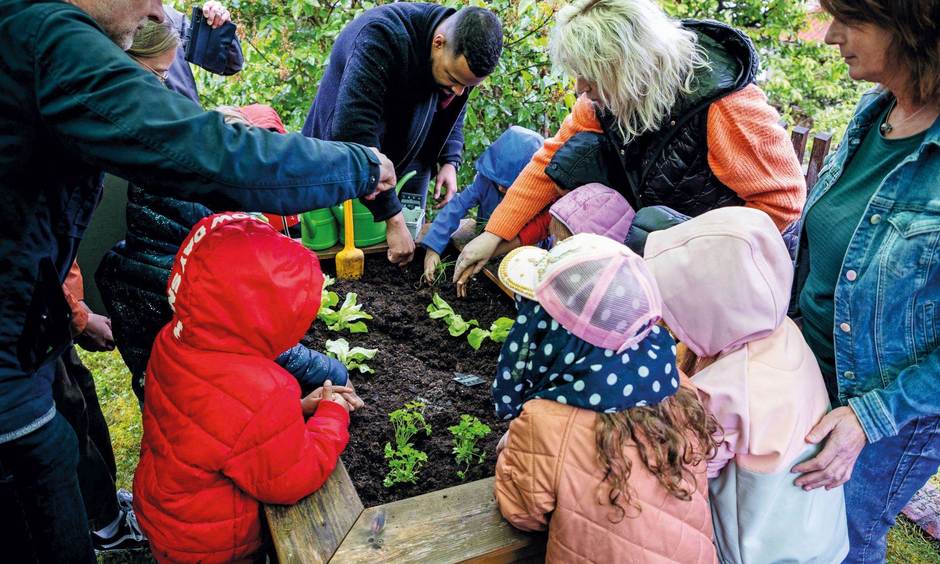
120	408
907	544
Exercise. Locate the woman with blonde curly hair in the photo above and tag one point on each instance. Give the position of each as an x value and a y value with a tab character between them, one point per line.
869	271
668	114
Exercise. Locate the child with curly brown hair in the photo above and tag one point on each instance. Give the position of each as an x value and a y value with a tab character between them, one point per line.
608	445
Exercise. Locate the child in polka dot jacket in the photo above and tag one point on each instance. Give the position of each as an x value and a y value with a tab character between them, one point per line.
759	379
608	443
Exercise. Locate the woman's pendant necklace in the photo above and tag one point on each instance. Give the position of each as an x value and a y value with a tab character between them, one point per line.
887	128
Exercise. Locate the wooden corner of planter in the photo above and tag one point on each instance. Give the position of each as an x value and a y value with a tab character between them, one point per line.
457	524
311	530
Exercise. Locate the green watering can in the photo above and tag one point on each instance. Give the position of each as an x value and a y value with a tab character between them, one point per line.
324	228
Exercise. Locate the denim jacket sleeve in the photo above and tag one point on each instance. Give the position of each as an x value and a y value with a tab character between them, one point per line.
121	119
914	393
311	368
447	222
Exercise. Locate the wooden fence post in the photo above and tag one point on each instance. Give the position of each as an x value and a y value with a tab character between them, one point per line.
798	136
821	142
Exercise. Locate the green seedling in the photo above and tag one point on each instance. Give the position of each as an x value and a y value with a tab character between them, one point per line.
456	325
440	271
352	358
328	298
348	316
497	333
404	461
466	435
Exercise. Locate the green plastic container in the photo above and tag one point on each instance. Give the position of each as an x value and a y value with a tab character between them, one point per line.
367	231
318	230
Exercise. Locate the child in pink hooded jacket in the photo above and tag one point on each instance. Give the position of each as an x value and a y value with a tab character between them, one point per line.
725	279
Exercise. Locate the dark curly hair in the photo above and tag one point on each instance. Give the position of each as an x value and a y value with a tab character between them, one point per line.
477	34
915	27
671	439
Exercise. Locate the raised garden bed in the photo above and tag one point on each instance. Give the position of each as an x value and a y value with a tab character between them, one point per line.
417	359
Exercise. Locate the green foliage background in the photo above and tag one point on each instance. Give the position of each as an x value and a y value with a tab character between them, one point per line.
287	44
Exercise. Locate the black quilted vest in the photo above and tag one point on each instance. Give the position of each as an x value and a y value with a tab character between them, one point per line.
668	166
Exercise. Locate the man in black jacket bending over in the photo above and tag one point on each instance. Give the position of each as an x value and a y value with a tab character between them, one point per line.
398	78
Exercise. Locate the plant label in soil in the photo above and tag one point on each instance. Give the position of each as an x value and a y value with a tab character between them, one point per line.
468	379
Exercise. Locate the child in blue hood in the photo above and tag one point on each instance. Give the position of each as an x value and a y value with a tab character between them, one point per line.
497	168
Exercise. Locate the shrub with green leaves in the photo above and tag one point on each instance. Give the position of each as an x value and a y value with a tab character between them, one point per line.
456	325
466	435
497	333
352	358
404	461
349	316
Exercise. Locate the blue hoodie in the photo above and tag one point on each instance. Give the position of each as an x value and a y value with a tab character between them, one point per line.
499	165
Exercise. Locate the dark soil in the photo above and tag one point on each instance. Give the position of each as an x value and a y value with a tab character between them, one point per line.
417	359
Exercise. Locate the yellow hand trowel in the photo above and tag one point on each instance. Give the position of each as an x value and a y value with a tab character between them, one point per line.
350	262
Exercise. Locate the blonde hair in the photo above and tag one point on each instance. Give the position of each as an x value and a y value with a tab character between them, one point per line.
153	40
639	59
231	115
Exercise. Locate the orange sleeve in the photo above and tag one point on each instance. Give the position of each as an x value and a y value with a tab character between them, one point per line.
74	294
524	486
748	151
533	189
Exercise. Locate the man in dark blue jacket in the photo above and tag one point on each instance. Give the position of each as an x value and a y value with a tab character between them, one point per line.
72	105
398	78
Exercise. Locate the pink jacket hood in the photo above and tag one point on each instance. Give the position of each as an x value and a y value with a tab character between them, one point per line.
725	278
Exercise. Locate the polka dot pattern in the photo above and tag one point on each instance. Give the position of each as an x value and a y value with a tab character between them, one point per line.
542	359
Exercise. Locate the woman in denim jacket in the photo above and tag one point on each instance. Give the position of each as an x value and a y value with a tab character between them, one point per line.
869	276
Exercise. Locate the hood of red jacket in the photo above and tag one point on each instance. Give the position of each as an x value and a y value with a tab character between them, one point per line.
239	286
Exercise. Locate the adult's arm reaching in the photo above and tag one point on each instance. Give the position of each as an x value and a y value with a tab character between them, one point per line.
122	120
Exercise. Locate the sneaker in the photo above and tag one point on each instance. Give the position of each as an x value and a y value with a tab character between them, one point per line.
127	537
125	499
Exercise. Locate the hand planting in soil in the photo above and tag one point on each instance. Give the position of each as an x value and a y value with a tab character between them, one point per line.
348	316
466	434
439	309
404	461
352	358
498	332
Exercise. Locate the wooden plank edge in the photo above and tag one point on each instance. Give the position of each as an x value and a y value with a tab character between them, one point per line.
339	480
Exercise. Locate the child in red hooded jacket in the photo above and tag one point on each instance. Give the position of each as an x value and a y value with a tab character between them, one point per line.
224	429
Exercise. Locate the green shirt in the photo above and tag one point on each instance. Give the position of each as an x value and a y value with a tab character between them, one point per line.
830	224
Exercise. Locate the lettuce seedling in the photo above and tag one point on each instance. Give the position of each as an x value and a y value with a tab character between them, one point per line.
404	460
466	435
348	316
352	358
497	332
328	298
456	325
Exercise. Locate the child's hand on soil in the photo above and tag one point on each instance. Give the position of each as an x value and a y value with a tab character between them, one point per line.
352	398
431	260
326	392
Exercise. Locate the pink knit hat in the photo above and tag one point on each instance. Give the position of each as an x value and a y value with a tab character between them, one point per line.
725	278
599	290
595	208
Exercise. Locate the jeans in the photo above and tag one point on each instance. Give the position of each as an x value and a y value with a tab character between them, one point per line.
41	469
887	474
77	400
